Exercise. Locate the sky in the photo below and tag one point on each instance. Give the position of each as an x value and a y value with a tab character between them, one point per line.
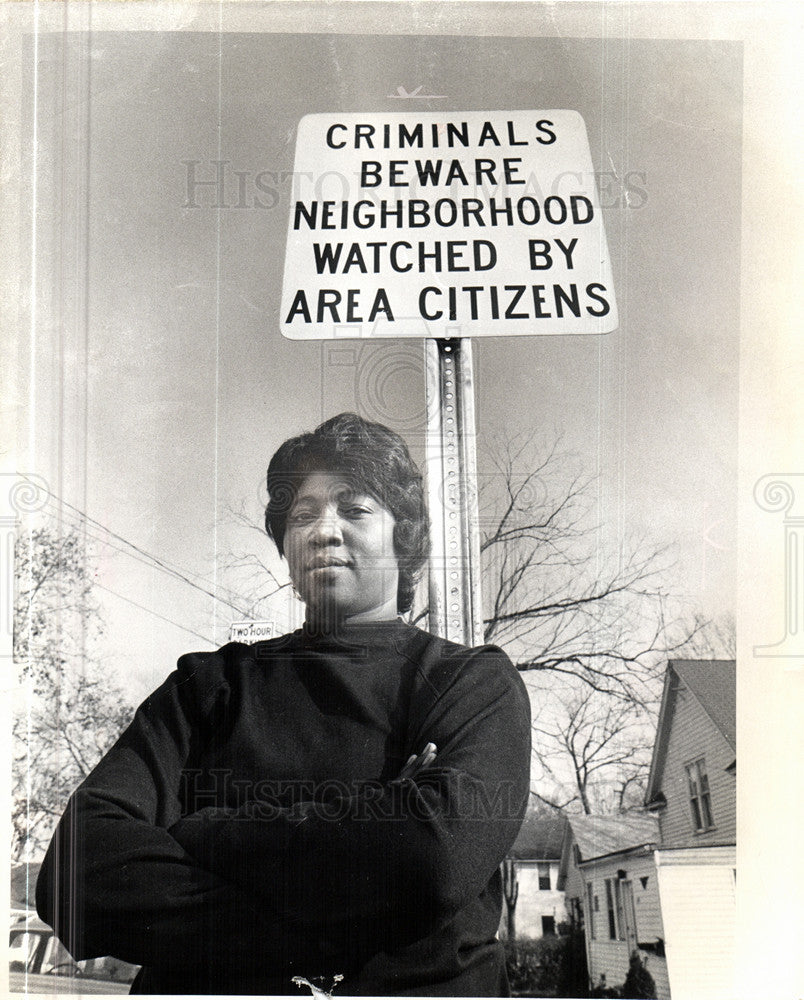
158	385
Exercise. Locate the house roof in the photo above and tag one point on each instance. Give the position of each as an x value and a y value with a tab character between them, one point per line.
23	883
540	838
598	836
713	683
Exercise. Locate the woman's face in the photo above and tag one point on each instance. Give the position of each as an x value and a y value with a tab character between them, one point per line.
340	551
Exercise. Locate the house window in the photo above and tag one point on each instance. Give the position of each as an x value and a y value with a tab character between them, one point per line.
544	875
576	917
591	899
618	903
700	798
548	925
611	911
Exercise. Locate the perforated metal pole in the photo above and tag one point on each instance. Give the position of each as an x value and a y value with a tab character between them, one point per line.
455	595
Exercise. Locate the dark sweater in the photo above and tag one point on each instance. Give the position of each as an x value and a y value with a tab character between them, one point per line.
250	826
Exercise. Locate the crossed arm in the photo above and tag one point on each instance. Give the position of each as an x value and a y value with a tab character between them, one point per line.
114	880
128	875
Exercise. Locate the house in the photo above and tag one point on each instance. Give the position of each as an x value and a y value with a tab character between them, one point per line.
23	884
608	873
692	792
663	882
534	904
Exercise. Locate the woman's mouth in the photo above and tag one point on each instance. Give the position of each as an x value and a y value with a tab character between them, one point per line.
328	563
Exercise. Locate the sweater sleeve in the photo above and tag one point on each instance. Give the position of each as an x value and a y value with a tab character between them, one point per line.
402	858
114	881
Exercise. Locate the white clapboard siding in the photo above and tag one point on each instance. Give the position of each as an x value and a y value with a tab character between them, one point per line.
610	958
646	901
697	892
693	735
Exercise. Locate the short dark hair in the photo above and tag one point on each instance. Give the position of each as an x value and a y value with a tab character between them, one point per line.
375	460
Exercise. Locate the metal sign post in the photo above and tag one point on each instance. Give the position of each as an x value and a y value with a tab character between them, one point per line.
456	611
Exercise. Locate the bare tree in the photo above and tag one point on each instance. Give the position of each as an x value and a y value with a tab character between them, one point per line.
710	639
590	628
554	598
71	710
595	752
253	584
510	881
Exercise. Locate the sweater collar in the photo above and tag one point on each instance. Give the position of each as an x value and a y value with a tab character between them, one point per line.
348	635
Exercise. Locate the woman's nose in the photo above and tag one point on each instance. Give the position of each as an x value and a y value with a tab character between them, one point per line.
327	529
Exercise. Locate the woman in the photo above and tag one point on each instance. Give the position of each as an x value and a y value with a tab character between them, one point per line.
332	803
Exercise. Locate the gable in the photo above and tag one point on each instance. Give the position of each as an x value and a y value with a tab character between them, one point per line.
712	683
694	789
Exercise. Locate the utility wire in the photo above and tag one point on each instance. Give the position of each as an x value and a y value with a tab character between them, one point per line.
143	556
155	613
128	549
148	558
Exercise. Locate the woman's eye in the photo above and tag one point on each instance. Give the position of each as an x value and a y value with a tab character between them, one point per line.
301	517
355	512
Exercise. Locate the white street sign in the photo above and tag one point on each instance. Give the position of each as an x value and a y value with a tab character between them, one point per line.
475	224
252	631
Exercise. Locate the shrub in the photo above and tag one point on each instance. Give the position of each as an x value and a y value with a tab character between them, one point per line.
639	984
605	992
535	965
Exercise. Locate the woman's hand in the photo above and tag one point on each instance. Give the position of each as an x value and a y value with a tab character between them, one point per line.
418	762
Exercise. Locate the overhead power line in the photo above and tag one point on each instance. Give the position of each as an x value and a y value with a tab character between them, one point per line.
156	614
141	555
